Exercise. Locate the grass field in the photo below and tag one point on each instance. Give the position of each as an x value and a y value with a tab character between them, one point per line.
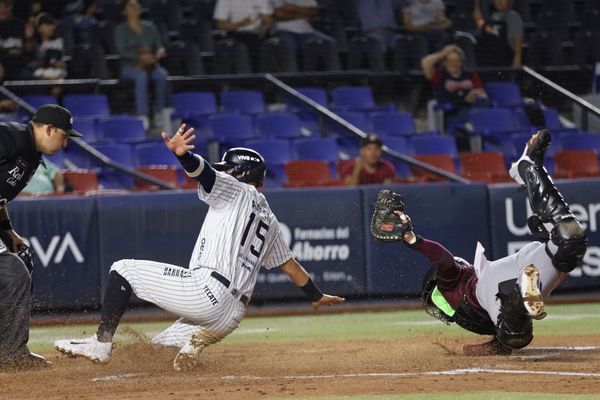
364	355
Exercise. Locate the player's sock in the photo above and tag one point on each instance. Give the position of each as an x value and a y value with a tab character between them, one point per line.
116	300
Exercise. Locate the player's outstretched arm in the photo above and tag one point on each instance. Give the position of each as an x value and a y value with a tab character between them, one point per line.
300	277
180	142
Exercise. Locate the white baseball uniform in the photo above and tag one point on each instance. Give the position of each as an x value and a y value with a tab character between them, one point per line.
240	234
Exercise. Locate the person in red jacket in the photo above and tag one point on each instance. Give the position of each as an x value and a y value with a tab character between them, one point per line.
369	167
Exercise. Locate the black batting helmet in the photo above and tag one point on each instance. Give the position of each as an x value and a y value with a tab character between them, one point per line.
246	165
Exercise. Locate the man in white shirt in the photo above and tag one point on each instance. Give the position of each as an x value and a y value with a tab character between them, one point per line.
247	21
293	25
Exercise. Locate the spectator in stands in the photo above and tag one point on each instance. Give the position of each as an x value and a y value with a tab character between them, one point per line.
455	89
17	44
427	18
501	39
246	21
378	20
139	45
368	168
82	21
293	25
50	50
47	180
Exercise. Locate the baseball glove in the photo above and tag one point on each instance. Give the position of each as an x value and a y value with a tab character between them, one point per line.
386	225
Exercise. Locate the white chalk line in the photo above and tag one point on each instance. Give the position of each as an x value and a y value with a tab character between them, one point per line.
110	378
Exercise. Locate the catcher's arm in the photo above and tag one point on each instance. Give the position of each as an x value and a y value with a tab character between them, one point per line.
300	277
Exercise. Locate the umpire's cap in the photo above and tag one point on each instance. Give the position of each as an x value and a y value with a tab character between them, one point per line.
57	116
246	165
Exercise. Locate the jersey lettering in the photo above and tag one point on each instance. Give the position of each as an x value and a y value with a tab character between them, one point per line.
259	234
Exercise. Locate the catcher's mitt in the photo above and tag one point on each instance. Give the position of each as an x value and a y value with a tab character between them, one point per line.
385	224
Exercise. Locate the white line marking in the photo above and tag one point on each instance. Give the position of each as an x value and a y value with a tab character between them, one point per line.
115	377
568	348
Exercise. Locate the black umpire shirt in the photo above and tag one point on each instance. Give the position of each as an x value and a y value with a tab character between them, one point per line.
19	159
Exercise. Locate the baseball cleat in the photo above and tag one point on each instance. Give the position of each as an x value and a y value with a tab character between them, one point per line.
89	348
188	358
534	153
530	291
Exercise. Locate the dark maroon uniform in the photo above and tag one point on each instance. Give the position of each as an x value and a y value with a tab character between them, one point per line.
455	281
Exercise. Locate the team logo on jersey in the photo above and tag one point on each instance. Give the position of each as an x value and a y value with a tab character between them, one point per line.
210	295
177	272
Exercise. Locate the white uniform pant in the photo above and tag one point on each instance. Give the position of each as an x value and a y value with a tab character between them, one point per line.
206	306
511	267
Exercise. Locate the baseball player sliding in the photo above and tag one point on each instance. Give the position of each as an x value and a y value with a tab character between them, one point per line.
240	234
498	298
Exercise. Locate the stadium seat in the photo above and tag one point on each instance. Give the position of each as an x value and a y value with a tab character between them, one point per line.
35	101
165	173
401	145
442	161
277	153
75	158
393	123
243	101
123	154
496	122
348	142
87	105
323	149
279	125
576	164
504	94
305	173
231	128
582	141
357	98
435	145
89	128
188	105
81	181
154	154
316	94
123	129
485	167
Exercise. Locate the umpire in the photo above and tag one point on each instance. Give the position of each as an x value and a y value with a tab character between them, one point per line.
21	149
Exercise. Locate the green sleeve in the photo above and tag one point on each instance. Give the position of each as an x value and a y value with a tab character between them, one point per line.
127	52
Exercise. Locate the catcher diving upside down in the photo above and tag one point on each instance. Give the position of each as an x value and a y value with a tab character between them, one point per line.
501	297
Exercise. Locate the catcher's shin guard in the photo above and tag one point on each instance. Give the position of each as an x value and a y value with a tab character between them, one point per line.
514	328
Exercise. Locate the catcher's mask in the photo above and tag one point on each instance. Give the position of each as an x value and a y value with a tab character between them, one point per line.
245	165
433	300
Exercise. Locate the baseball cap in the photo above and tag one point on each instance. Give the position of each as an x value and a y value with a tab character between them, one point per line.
371	139
57	116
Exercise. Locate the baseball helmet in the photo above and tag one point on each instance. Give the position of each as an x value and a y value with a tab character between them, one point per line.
246	165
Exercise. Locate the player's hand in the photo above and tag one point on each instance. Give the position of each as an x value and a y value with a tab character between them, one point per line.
327	300
180	142
17	241
408	234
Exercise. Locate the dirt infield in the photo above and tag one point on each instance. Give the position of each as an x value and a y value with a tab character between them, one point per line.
431	363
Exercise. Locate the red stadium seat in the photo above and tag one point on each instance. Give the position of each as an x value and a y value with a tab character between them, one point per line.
442	161
164	173
82	181
576	164
485	167
306	173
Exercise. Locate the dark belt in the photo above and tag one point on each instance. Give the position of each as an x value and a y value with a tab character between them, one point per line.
244	299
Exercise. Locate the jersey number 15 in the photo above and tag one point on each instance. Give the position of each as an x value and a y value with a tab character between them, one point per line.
259	234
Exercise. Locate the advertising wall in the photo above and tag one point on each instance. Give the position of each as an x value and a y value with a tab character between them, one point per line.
76	239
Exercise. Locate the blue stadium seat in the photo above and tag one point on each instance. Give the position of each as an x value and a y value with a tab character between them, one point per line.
423	145
522	120
124	129
76	158
154	154
504	94
34	100
401	145
231	129
352	97
277	153
493	122
393	123
279	125
316	94
583	141
193	108
347	141
88	127
321	149
243	101
121	153
87	105
552	119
